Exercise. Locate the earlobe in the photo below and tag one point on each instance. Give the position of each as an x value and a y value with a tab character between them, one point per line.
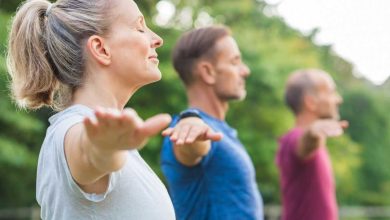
206	72
99	50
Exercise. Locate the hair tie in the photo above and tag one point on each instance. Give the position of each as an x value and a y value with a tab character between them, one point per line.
48	9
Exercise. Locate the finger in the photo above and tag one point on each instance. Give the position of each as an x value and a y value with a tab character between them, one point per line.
333	129
344	124
190	138
182	134
129	117
203	134
167	132
334	132
100	115
194	134
113	117
174	135
154	125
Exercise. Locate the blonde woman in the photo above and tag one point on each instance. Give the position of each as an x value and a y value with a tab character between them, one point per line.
87	58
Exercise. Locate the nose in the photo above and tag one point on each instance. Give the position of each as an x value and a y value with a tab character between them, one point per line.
156	41
245	71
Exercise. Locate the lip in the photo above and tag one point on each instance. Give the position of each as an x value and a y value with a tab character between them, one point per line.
153	58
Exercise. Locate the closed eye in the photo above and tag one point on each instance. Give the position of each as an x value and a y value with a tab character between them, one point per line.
139	24
236	60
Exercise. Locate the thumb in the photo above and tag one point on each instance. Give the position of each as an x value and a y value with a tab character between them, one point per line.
213	136
154	125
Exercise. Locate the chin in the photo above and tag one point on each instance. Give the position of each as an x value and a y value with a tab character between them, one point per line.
154	76
333	117
241	96
157	78
238	97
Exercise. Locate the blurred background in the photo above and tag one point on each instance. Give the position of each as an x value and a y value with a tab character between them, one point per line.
272	44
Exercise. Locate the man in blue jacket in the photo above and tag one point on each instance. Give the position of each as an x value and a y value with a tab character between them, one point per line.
209	172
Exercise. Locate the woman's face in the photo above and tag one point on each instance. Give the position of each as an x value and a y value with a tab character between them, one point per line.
132	46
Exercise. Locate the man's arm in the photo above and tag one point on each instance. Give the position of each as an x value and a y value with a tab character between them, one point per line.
191	139
316	134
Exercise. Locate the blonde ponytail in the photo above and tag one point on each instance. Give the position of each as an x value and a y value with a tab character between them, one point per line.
46	58
33	80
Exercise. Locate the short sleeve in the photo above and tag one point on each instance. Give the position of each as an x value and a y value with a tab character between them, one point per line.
61	130
291	143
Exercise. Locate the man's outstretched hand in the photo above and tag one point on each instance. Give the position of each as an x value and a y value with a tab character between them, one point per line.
328	128
190	130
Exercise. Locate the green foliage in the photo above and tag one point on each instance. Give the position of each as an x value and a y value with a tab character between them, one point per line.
346	163
272	50
9	6
21	135
367	110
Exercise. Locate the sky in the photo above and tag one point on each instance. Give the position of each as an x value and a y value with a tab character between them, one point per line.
358	30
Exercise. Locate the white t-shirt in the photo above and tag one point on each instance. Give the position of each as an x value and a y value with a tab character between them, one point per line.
134	192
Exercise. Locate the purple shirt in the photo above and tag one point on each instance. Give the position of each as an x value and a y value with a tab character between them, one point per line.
307	186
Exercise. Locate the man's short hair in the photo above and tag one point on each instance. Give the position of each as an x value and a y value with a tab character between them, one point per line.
193	46
300	83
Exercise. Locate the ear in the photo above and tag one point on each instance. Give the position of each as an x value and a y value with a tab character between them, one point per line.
310	103
206	72
98	50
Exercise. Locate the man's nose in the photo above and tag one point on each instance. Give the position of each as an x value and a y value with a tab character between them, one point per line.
245	71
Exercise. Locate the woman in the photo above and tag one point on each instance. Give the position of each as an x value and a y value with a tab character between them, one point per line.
87	58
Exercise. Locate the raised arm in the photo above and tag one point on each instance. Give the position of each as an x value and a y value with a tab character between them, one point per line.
191	138
315	135
99	145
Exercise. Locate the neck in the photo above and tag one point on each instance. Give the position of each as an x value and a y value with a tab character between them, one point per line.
304	119
102	92
205	99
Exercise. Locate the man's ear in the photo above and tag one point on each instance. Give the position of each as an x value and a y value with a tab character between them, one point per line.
206	72
99	50
310	102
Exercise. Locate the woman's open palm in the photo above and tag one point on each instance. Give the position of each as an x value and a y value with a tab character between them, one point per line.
114	129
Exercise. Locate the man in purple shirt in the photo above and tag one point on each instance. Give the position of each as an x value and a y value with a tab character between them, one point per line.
307	184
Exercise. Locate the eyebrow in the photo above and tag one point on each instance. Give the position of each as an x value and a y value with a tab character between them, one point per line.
139	18
236	57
